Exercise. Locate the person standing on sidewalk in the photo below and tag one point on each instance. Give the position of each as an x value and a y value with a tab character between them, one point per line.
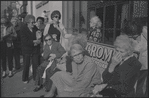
17	43
30	47
8	34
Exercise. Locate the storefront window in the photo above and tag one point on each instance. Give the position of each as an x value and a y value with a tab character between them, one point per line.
112	15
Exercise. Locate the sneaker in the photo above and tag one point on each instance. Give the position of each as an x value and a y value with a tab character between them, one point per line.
10	74
4	74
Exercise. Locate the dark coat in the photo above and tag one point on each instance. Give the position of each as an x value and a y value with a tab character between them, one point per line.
55	49
17	41
27	38
124	77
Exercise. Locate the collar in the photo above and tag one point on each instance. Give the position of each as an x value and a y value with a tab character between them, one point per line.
126	58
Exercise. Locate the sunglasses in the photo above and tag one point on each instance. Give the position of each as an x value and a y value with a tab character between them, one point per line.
56	16
48	39
75	56
134	37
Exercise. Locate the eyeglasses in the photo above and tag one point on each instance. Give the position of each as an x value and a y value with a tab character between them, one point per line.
56	16
134	37
75	56
32	22
47	39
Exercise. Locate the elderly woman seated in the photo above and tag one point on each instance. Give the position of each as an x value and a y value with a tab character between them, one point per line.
84	75
52	51
122	73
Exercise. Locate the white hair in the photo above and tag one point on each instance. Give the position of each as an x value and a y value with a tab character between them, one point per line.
124	42
96	20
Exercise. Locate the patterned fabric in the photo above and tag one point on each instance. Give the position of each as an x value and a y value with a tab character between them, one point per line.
95	35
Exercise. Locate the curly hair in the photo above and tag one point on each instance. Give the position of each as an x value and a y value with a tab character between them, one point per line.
28	17
97	21
4	20
56	12
40	18
77	47
79	38
14	19
132	27
124	42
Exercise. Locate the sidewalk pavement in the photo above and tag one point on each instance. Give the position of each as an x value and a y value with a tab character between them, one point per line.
14	86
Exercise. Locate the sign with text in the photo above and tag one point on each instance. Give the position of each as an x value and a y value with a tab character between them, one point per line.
41	4
101	54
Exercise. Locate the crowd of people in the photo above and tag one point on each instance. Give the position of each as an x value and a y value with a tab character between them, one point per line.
63	67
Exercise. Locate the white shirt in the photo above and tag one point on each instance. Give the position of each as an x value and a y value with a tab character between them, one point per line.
142	48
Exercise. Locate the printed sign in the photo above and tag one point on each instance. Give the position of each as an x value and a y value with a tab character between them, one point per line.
100	54
41	4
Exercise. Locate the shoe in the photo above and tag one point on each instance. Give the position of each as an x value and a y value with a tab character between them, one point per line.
25	82
10	74
47	90
38	88
4	74
18	68
42	96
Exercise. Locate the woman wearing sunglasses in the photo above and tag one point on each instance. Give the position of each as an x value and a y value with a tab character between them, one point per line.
51	52
84	75
57	30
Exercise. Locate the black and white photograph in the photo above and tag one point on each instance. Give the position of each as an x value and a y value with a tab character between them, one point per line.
74	48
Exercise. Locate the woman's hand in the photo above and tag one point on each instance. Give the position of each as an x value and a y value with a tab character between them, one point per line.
99	88
54	36
38	34
57	27
36	42
116	59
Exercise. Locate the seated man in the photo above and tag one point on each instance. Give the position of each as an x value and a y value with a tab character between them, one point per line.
52	51
84	75
122	73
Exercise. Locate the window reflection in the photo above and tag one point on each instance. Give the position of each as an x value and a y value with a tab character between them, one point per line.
109	18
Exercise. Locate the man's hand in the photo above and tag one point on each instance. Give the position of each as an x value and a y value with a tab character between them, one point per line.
52	57
36	41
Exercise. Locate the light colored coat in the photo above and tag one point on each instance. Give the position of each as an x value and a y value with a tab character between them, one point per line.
83	77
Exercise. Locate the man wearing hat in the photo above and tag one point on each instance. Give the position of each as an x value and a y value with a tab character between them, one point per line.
8	34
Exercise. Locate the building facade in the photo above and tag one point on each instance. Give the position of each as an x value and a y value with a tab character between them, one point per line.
36	8
76	14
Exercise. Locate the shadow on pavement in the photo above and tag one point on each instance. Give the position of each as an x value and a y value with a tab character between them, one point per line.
16	71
